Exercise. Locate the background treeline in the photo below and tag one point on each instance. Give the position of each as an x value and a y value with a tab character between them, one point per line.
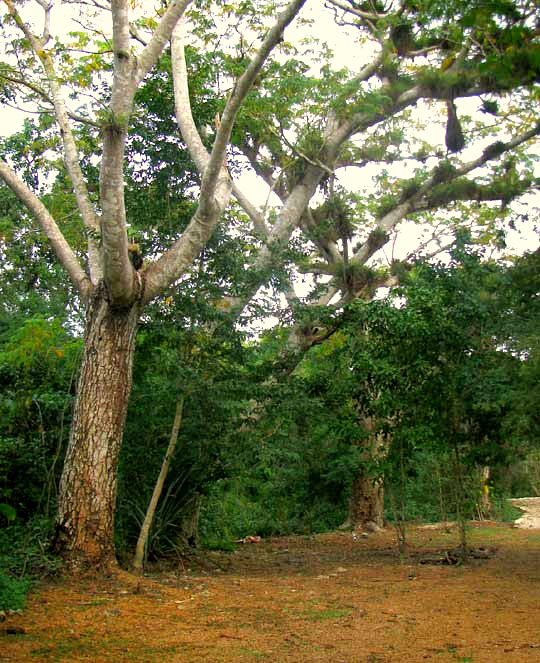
446	368
416	403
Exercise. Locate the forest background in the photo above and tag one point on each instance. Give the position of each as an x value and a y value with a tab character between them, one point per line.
288	367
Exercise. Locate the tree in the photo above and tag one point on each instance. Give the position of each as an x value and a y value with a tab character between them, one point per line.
443	378
296	129
113	290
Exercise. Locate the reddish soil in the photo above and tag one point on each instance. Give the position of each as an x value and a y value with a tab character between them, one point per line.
329	598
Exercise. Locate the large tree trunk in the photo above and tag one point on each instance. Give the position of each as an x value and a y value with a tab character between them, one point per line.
366	504
85	520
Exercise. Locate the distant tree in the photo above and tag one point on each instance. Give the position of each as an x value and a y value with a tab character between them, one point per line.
428	368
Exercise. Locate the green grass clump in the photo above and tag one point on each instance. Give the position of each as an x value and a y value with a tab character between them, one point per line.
13	592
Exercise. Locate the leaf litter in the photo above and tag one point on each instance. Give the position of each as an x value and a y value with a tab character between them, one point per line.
328	597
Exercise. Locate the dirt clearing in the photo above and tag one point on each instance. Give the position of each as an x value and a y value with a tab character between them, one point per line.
331	598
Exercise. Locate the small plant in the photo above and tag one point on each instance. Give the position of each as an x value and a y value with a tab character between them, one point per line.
504	511
12	592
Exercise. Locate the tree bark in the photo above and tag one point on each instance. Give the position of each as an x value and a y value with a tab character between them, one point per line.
366	504
485	507
84	533
189	528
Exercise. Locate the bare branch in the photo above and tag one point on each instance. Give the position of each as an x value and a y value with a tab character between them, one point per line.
256	217
356	11
440	249
62	249
71	152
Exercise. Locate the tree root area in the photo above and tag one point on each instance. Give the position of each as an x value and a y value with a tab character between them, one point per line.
330	597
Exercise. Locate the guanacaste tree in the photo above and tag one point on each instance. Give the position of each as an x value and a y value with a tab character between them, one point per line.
113	287
301	123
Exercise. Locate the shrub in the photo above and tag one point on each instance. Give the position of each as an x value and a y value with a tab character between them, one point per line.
13	592
24	549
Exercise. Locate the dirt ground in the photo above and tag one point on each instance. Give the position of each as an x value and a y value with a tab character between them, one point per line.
335	597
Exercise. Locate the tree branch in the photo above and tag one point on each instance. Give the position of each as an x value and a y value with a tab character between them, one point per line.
182	103
356	11
46	97
256	217
216	186
63	251
71	152
160	38
273	37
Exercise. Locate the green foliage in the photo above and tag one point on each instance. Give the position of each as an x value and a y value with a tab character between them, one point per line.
13	592
522	477
24	548
292	469
432	368
37	362
206	370
503	511
7	511
229	514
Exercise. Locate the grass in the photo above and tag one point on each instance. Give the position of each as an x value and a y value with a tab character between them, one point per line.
314	615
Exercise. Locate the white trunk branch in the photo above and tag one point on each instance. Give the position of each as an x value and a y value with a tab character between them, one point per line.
117	269
128	74
216	183
62	249
182	104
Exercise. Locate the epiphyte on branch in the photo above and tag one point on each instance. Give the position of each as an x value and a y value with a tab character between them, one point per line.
454	138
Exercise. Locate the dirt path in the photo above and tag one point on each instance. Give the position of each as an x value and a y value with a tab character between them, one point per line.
328	598
531	508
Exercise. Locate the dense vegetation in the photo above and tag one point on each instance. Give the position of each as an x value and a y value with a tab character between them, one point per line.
447	364
290	373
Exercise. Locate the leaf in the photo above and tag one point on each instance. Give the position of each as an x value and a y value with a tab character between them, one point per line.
8	511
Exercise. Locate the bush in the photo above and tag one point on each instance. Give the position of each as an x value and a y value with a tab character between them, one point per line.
503	511
24	549
13	592
236	508
227	515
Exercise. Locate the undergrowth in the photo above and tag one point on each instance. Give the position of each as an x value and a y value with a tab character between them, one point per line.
24	556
